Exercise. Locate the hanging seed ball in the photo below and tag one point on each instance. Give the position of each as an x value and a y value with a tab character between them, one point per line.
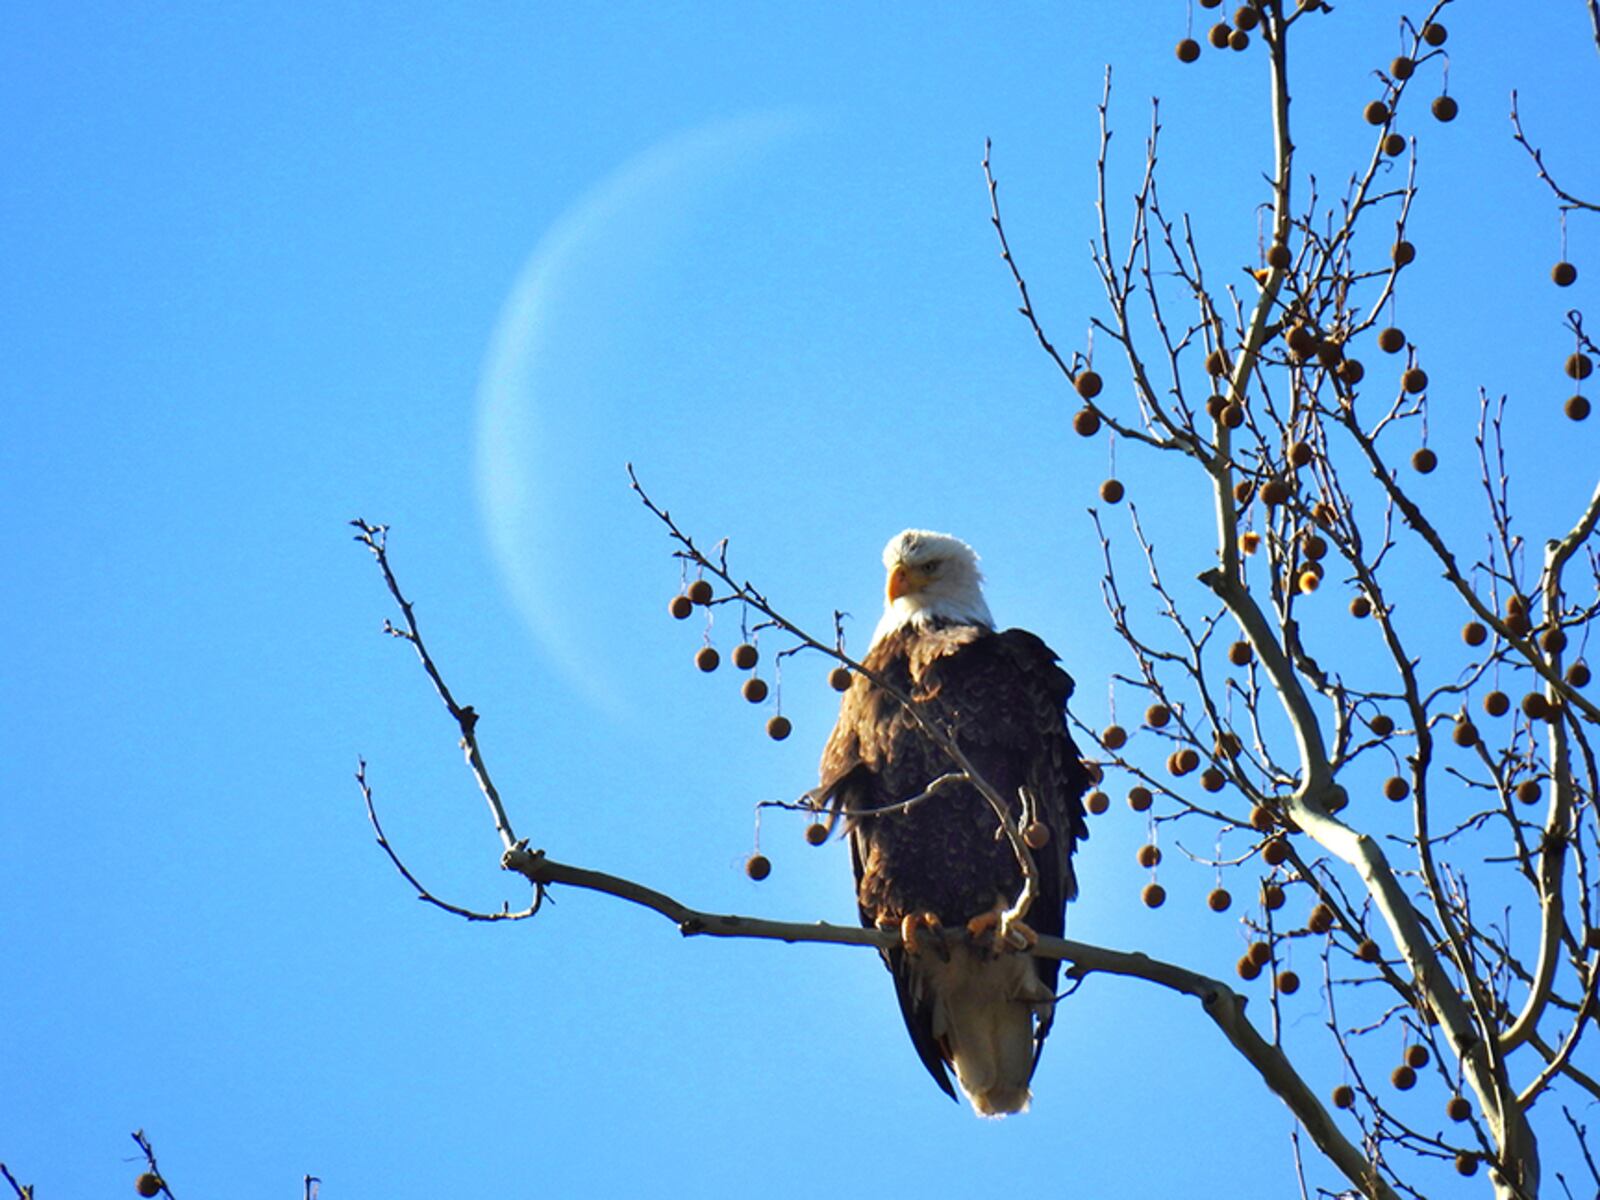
1445	108
1517	622
1578	366
1529	791
1259	953
1139	798
1275	852
1301	454
1210	3
1516	605
1310	581
1157	715
839	679
1466	1163
1320	920
1247	970
1246	17
1149	855
1391	340
1434	33
816	833
1315	547
1232	415
1402	67
1092	770
1457	1108
1464	734
1097	803
1382	724
1272	897
1088	384
1111	491
1424	461
1403	253
1344	1096
1497	704
1214	406
1414	380
779	728
1228	744
1239	654
1395	788
1360	607
1394	145
1536	706
758	867
1329	354
1261	818
1216	363
1403	1077
1219	900
1564	274
745	656
1553	640
1188	50
1352	372
700	591
1187	760
1219	34
148	1184
1279	256
1213	780
1474	633
1154	895
1376	112
1036	835
1417	1056
1086	422
1274	492
1578	674
1577	407
707	658
1301	340
680	606
1250	542
1288	983
1367	951
1114	737
754	690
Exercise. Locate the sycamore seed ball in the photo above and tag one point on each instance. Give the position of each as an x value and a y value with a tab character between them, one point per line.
1457	1108
745	656
1239	39
1497	704
1414	380
1157	715
1250	542
1394	145
1288	982
1114	737
1219	900
1577	408
1466	1163
680	606
1564	274
1246	17
1279	256
1111	491
1578	674
779	728
1212	779
1474	633
1417	1056
1310	581
1402	67
1259	953
1036	835
1344	1096
1391	340
755	690
1367	951
1272	897
1352	372
758	867
700	591
1320	920
1360	607
1381	724
1376	112
1188	50
1395	788
1261	819
1088	384
839	679
707	658
816	833
1445	108
1424	461
1153	895
1403	1077
1464	734
1218	36
1086	423
1579	366
1097	803
1149	855
1536	706
148	1184
1434	33
1139	798
1239	654
1247	969
1529	791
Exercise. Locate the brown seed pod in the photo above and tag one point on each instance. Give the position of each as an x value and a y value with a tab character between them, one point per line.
1315	548
1497	704
1301	340
1275	852
1186	760
1097	803
148	1184
1424	461
707	658
1367	951
1402	67
1376	112
1395	788
1352	372
680	606
1274	492
1153	895
1149	855
839	679
1474	633
1577	407
1464	734
779	728
1157	715
1139	798
1516	605
1213	780
1272	897
1215	404
1517	624
1564	274
1445	108
1416	1055
1360	607
754	690
1394	145
758	867
1227	744
1188	50
1036	835
1578	366
1216	363
1088	384
1114	737
1246	17
1310	581
1414	380
1529	791
1434	33
1553	640
1320	920
1344	1096
1242	491
1239	654
1259	953
1329	353
745	656
1288	983
1301	454
1466	1163
1111	491
1536	706
1391	340
700	591
1219	34
1092	770
1239	40
1247	970
1403	253
1219	900
1261	818
1381	724
1457	1108
1578	674
816	833
1086	423
1279	256
1232	415
1250	542
1403	1077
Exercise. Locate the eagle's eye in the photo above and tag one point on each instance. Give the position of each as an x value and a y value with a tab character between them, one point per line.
932	568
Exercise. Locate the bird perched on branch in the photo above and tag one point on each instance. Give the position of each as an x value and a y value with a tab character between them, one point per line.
929	848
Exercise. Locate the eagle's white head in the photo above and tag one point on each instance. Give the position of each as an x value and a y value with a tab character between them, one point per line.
932	576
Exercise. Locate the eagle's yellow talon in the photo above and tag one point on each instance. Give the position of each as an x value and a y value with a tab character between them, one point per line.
1019	935
908	934
983	923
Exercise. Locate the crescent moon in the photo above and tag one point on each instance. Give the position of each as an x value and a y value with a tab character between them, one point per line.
540	469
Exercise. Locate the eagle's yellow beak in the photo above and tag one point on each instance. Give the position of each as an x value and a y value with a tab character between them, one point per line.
902	581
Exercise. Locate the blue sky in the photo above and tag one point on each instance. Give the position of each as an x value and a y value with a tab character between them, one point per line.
269	268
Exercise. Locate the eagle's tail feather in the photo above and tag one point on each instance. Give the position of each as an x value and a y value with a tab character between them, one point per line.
983	1019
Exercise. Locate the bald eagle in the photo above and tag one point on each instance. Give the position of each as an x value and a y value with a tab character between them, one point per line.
973	1005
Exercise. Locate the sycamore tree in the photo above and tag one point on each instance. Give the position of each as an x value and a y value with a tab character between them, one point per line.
1401	822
